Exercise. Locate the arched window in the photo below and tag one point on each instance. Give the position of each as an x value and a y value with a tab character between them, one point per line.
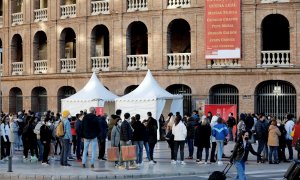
137	39
130	89
15	100
186	92
275	98
64	92
17	48
39	99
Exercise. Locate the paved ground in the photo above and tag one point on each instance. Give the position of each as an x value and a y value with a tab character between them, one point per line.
162	170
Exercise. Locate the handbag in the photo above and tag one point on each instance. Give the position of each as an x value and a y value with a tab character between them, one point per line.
128	153
169	135
113	154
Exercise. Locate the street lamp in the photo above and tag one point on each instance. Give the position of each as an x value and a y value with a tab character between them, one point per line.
277	92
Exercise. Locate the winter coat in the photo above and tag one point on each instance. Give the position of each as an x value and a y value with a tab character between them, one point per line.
78	128
179	131
296	133
261	129
220	131
5	131
67	129
126	131
103	128
138	133
241	151
45	134
282	141
231	121
152	130
213	122
115	136
191	124
90	126
273	137
111	123
202	136
241	127
289	125
37	129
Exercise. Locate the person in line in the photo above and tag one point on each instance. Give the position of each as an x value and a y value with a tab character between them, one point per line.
202	139
191	124
66	139
112	121
137	138
46	137
102	136
230	123
39	143
240	154
273	141
220	132
180	132
170	139
29	141
5	141
261	129
296	136
152	129
115	138
90	130
57	140
146	140
289	125
78	128
213	122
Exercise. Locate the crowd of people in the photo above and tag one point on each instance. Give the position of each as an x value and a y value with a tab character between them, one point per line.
43	134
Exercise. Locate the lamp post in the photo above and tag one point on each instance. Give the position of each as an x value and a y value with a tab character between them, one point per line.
277	92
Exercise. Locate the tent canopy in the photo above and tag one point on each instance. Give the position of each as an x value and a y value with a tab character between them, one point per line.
92	94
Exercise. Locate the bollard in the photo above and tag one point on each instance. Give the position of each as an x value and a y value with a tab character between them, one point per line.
9	164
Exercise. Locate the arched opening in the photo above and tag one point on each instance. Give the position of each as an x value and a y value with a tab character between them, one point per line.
186	92
64	92
68	44
130	89
275	33
137	38
1	56
17	6
224	94
15	100
179	37
40	4
276	98
40	46
39	99
17	48
1	9
100	41
67	2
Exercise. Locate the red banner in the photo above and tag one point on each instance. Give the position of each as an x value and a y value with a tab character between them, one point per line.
222	109
223	29
99	111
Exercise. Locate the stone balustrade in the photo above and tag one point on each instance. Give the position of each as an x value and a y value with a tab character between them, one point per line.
178	4
40	14
68	65
17	68
137	5
40	66
275	59
223	63
100	63
17	18
179	60
68	11
137	62
100	7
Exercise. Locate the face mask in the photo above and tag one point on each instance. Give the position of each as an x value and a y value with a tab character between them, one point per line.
278	124
69	116
246	138
48	123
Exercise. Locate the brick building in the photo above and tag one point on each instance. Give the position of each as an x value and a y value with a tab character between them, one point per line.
49	49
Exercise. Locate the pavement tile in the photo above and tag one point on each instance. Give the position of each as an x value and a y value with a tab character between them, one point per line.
30	177
82	177
49	177
14	177
73	177
39	177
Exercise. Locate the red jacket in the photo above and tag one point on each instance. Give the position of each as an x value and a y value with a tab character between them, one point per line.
296	133
73	130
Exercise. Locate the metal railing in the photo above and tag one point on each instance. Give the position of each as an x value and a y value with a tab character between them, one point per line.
17	18
137	62
40	14
275	59
17	68
137	5
100	63
179	60
68	11
100	7
40	66
68	65
178	4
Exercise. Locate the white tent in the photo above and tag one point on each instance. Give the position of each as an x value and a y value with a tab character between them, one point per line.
92	94
149	96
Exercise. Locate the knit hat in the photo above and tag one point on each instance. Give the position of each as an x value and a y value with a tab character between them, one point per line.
65	113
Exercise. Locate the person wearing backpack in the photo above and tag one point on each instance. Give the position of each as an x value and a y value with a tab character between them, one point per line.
66	139
296	138
39	143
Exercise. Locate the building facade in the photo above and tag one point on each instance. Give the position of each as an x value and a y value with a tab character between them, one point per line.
49	49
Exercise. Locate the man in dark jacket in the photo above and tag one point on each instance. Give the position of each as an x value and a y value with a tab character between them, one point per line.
90	131
230	123
102	136
152	129
138	138
78	128
261	129
191	124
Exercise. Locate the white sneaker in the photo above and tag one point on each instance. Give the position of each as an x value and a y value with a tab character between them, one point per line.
173	162
200	162
151	163
182	163
220	163
45	164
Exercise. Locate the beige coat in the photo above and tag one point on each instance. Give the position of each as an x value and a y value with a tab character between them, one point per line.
273	138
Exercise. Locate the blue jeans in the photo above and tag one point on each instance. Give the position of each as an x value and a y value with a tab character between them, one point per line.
65	151
41	149
190	143
262	145
230	133
289	146
220	146
274	152
78	149
139	151
146	144
86	145
240	169
178	144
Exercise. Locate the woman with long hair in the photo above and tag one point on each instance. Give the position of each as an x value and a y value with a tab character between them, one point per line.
180	132
5	138
240	154
202	139
273	141
169	137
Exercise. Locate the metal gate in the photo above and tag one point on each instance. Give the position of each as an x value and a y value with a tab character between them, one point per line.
186	92
39	100
276	98
15	100
64	92
224	94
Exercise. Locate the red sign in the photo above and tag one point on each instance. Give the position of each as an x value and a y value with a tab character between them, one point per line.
99	111
222	109
223	29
